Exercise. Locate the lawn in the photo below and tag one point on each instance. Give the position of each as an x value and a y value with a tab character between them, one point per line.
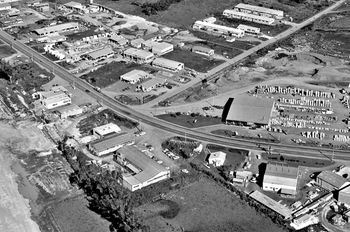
110	73
6	51
190	121
203	206
193	60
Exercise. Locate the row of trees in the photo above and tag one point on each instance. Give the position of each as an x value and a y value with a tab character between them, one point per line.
104	191
161	5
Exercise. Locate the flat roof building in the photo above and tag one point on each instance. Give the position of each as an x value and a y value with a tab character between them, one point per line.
151	84
249	29
258	10
142	170
60	28
69	110
158	48
138	56
247	110
118	39
100	54
217	158
135	76
280	178
51	99
218	29
137	43
248	17
106	130
203	50
169	65
110	144
330	180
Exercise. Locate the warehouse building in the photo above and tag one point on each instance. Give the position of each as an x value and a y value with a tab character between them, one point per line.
106	130
203	50
217	158
218	29
169	65
69	111
249	29
248	17
280	178
53	99
60	28
151	84
258	10
138	56
142	170
248	111
158	48
110	144
331	181
135	76
343	195
100	54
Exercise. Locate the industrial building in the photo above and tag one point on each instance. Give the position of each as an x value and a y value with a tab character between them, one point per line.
158	48
248	17
100	55
151	84
218	29
169	65
110	144
69	111
249	29
106	130
135	76
331	181
118	39
280	178
258	10
52	99
60	28
142	170
203	50
343	195
138	56
217	158
248	111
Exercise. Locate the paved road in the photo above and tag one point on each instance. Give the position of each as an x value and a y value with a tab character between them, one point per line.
176	129
213	72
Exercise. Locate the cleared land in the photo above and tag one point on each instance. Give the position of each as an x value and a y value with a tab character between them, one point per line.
204	206
193	60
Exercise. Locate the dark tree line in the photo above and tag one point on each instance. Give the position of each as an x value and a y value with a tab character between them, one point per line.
161	5
104	192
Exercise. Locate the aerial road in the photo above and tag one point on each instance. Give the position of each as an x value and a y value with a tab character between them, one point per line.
317	152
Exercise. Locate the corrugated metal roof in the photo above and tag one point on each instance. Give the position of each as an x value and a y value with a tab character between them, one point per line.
109	142
272	204
166	63
259	9
332	178
253	16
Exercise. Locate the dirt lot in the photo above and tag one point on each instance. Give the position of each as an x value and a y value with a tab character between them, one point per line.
6	51
214	209
193	60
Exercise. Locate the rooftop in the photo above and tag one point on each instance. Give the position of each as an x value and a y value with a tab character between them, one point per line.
166	62
281	170
135	75
250	109
217	155
57	27
73	4
220	27
107	129
149	168
66	108
112	141
259	9
243	14
332	178
138	53
101	52
243	26
202	49
161	46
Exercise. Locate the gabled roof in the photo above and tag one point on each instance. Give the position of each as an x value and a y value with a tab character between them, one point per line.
332	178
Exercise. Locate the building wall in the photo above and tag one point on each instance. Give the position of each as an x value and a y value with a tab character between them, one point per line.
344	197
325	184
161	176
235	14
105	152
277	187
52	105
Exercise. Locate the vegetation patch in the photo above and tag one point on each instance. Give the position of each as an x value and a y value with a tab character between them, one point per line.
6	51
172	211
180	146
298	161
193	120
106	116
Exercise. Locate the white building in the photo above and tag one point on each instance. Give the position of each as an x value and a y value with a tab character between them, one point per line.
248	17
249	29
203	50
143	170
60	28
158	48
137	43
258	10
218	29
209	20
100	54
169	65
53	99
217	158
106	129
151	84
280	178
69	111
110	144
135	76
138	56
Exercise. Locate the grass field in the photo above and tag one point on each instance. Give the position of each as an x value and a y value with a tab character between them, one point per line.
193	60
6	51
234	157
189	121
110	73
203	206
